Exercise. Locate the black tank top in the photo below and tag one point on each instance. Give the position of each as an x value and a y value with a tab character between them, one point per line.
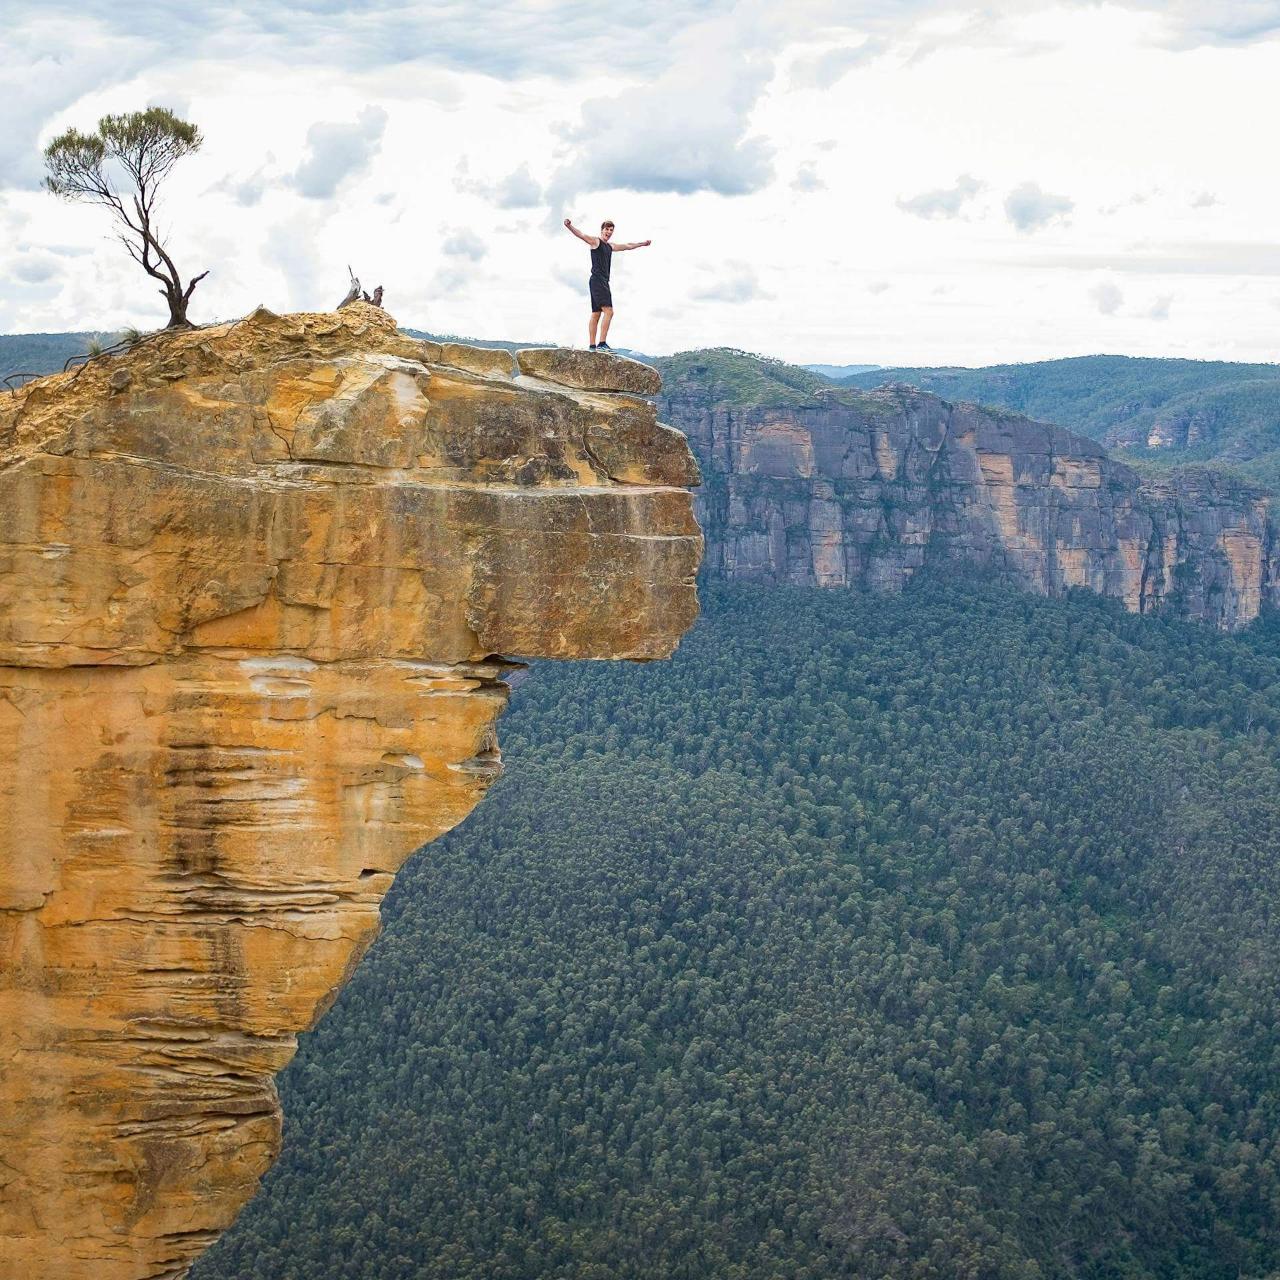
601	256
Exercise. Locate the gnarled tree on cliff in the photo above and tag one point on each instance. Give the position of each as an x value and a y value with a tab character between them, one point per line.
122	167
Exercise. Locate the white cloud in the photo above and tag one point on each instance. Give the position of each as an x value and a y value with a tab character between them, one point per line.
462	243
737	284
292	246
247	190
517	190
822	70
36	268
657	125
1030	208
575	280
807	179
945	202
47	64
1161	307
338	151
1204	200
686	131
1194	22
1107	297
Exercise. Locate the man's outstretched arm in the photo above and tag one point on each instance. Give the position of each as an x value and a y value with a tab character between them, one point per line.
593	241
639	244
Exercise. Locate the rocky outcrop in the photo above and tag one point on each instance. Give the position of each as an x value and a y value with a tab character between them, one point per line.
868	488
254	580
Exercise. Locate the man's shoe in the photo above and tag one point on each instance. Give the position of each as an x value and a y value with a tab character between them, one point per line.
603	346
592	347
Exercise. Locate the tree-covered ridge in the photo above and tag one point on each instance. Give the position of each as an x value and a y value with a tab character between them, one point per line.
919	936
42	352
723	375
1199	410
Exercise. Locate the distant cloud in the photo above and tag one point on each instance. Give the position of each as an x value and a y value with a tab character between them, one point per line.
449	280
1136	200
248	190
945	202
47	64
1030	208
1204	200
35	268
1159	309
807	179
291	245
738	284
337	151
1213	22
518	190
1205	257
1107	297
685	131
878	286
821	71
575	280
462	243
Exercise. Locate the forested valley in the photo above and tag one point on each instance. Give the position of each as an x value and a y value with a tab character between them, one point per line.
920	936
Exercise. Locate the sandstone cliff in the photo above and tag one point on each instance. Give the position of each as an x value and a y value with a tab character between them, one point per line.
254	580
841	487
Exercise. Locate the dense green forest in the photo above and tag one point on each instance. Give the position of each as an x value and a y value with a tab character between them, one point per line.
724	375
42	352
930	936
1207	409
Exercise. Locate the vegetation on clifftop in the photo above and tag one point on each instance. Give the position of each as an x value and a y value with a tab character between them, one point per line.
723	375
930	937
1205	410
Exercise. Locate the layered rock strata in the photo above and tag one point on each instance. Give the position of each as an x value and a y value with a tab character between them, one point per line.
253	582
868	488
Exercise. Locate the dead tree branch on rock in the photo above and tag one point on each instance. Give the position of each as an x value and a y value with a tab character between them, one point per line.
356	294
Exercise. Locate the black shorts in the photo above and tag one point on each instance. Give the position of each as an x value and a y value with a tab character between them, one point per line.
600	295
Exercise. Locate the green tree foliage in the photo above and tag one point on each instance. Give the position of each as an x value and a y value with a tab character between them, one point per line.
723	375
930	937
41	352
1208	410
122	166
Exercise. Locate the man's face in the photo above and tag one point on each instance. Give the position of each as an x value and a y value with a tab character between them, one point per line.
606	232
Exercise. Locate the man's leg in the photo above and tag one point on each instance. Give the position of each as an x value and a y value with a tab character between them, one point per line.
591	329
607	314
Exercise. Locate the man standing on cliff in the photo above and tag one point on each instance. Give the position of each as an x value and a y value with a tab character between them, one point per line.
602	251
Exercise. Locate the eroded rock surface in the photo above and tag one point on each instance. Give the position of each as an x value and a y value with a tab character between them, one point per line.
867	488
253	580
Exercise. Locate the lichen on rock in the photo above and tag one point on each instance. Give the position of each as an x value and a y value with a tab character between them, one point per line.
254	582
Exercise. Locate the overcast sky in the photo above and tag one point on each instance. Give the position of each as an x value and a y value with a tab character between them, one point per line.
868	181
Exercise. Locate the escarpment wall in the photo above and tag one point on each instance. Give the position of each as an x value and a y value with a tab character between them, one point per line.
254	585
868	488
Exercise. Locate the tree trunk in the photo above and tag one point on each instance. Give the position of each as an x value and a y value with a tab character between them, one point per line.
177	311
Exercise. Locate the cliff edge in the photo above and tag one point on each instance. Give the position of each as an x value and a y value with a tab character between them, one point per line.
254	582
837	487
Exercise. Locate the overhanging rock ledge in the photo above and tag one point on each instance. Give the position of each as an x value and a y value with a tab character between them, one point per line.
254	582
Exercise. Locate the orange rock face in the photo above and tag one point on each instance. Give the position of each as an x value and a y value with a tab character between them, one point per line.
253	582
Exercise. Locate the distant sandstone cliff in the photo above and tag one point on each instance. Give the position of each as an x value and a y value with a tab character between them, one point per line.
839	487
254	582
